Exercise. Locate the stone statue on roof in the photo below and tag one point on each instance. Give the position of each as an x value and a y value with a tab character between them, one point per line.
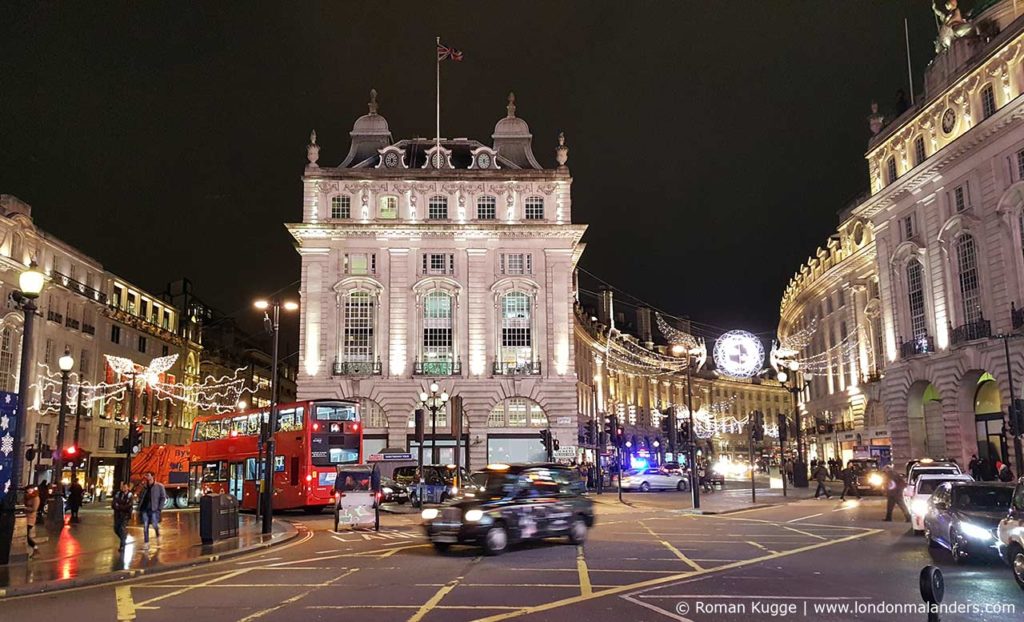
952	24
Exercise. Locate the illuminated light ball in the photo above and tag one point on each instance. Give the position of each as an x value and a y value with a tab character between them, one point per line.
739	353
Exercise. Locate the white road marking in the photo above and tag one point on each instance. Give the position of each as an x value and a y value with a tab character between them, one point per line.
797	520
258	561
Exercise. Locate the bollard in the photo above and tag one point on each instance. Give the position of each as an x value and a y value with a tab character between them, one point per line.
933	588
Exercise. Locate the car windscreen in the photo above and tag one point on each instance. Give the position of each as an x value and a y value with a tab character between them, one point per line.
916	473
928	486
499	484
982	498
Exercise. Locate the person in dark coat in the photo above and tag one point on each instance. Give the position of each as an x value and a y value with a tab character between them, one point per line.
122	504
974	468
895	483
849	477
152	503
76	494
44	497
821	475
1005	474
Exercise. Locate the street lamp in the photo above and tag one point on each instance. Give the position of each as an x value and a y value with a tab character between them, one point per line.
434	402
55	509
31	282
793	383
272	324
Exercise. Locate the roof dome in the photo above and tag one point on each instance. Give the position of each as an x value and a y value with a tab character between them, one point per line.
369	133
371	124
511	125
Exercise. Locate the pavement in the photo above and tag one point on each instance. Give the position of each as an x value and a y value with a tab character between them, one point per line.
86	553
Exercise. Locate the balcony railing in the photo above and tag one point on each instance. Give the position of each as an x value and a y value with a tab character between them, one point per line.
516	369
53	316
920	345
437	368
356	368
88	329
72	323
873	375
1016	316
79	287
978	329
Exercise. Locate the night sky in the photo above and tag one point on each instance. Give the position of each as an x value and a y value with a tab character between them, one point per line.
712	143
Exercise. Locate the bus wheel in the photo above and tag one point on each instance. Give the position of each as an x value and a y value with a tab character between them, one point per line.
181	499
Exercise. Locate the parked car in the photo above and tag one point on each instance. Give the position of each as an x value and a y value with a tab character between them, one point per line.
963	517
439	482
1011	535
652	478
931	468
518	503
924	462
917	495
393	492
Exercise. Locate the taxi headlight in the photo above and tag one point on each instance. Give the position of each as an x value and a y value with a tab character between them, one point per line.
919	507
429	513
386	490
976	532
875	479
473	516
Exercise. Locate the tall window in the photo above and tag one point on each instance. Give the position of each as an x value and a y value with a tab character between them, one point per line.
438	263
358	336
534	208
962	196
486	208
1020	165
915	293
7	359
437	330
988	102
516	340
341	206
437	208
48	352
388	207
515	263
919	155
890	168
967	266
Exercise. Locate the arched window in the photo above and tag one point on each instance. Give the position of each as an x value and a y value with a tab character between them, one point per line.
517	412
534	209
915	295
442	420
988	102
372	415
7	359
438	350
486	208
890	170
515	354
437	208
358	342
967	270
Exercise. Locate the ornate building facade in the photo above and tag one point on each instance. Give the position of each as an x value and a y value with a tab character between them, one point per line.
446	261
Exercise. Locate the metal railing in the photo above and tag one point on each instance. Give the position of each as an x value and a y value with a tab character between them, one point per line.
516	369
437	368
78	286
356	368
72	323
88	329
920	345
53	316
978	329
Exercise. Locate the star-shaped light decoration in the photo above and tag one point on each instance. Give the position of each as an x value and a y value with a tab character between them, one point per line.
6	444
5	422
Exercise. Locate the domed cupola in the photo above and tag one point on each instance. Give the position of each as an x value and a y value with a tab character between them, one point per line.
512	138
369	133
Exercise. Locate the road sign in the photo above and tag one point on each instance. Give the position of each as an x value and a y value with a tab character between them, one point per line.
566	452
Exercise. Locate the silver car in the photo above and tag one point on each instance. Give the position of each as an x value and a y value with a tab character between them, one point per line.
652	478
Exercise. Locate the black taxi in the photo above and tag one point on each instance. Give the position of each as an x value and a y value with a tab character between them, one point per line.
515	503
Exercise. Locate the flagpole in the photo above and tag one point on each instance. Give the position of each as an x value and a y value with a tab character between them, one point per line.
437	135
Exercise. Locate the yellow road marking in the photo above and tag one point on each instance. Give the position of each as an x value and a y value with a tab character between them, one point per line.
689	562
760	546
225	575
581	569
806	533
297	597
426	607
676	577
125	604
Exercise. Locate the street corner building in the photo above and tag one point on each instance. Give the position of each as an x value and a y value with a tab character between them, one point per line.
442	260
940	332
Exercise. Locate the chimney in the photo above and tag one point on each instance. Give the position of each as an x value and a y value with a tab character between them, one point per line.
605	312
643	326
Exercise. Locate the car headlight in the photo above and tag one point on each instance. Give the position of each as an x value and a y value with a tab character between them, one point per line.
976	532
919	507
875	479
473	516
386	490
429	513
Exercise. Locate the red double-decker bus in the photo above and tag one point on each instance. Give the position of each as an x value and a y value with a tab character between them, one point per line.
312	439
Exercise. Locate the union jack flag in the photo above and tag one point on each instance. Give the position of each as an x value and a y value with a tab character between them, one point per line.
444	53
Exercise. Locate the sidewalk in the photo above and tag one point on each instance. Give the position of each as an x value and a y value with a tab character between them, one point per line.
86	553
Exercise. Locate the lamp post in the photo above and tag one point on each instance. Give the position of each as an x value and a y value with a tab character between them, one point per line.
273	326
793	383
55	509
434	401
78	426
31	282
691	441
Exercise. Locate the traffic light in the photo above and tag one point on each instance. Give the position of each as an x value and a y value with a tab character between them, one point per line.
134	440
554	444
544	437
684	432
757	425
783	428
70	453
666	425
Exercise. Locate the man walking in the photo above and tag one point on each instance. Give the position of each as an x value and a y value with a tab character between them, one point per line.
122	504
894	494
152	503
849	477
76	495
31	516
821	474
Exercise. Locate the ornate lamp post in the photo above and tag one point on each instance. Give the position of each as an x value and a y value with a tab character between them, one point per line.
794	383
31	282
434	402
55	509
273	326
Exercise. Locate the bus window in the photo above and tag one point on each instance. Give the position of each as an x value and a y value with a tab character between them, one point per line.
289	420
239	425
278	464
336	412
214	472
251	472
253	424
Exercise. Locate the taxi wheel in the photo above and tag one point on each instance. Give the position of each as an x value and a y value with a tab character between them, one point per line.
1016	558
496	540
578	531
442	547
645	487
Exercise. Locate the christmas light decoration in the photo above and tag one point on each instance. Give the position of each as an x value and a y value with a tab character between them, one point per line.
739	354
674	335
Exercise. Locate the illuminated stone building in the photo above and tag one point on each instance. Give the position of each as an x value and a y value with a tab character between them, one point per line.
445	261
90	312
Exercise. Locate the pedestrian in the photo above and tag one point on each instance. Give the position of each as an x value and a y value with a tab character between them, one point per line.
44	497
974	468
789	471
31	516
1005	474
849	477
122	504
76	494
152	503
821	474
895	483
